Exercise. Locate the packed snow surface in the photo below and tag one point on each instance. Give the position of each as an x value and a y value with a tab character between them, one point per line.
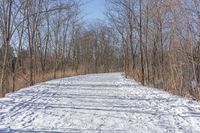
97	103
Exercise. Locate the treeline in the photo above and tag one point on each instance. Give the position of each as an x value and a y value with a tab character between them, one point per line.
161	42
157	42
46	39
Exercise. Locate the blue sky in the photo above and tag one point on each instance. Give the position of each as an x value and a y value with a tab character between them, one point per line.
94	9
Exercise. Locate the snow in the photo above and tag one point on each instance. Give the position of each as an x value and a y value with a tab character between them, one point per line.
97	103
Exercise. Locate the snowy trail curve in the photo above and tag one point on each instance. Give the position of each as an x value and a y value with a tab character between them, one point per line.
97	103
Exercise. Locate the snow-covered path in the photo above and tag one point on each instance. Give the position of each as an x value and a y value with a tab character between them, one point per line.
97	103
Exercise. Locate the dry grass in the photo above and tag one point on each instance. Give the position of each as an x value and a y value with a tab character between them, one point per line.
173	85
22	81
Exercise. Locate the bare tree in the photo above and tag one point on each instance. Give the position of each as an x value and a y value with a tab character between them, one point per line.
6	11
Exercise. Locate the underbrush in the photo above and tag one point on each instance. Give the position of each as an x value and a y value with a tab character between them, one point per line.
174	85
22	80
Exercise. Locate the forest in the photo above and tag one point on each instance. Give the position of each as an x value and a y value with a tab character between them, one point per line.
156	42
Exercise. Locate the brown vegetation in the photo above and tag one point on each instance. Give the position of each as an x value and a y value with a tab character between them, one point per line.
43	39
161	42
23	81
155	41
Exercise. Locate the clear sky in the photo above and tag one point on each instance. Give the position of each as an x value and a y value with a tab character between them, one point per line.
94	9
